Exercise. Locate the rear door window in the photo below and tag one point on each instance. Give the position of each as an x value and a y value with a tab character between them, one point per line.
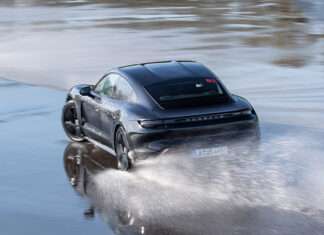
123	91
107	85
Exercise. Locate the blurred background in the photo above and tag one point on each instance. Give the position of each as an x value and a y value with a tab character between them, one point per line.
270	51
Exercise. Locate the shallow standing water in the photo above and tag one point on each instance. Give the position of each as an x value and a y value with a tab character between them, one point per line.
270	52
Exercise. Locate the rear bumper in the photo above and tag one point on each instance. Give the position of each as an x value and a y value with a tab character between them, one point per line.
155	142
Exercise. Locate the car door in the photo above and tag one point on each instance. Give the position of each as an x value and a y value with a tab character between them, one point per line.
92	107
122	95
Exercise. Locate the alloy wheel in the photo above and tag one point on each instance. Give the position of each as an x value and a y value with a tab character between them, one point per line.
122	152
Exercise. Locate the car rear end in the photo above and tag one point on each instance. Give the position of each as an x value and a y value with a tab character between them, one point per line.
194	133
197	116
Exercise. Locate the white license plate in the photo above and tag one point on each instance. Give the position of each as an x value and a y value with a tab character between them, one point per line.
209	152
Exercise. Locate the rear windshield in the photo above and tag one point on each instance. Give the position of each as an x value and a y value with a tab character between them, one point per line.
186	92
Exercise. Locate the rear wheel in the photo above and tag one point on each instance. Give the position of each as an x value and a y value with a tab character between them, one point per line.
70	122
122	150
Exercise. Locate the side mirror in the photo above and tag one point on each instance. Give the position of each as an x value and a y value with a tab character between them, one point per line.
85	91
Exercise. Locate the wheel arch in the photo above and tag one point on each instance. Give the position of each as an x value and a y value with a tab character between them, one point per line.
68	98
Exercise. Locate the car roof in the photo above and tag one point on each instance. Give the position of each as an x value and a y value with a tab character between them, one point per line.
148	73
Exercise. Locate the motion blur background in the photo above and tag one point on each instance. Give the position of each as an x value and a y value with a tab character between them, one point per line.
271	52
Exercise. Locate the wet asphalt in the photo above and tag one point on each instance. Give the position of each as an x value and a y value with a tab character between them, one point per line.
52	186
35	195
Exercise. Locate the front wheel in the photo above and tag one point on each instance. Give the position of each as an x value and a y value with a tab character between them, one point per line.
122	150
70	122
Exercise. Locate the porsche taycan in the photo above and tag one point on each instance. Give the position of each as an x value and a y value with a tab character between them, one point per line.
147	109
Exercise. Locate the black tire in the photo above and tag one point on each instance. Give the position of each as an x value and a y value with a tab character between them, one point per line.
122	150
70	122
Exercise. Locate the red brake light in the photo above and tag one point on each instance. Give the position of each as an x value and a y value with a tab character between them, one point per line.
209	80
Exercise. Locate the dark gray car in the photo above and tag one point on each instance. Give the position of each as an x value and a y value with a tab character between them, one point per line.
147	109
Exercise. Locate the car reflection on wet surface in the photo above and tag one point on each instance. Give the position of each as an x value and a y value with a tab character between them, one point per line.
258	190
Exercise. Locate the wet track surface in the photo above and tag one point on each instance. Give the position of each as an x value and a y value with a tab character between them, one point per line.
53	187
270	52
35	196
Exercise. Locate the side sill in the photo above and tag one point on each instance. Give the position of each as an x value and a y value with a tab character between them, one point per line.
104	147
